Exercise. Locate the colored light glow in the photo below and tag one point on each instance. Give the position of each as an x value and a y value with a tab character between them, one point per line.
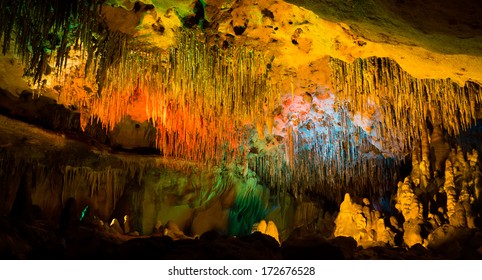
84	212
199	97
323	149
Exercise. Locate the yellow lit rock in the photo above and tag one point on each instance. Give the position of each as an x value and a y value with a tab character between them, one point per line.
262	226
362	223
127	227
268	229
272	230
116	227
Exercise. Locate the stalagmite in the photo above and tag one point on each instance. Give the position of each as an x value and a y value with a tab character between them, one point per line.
449	188
411	209
384	233
412	234
417	163
272	231
425	164
476	177
127	227
172	230
364	224
262	226
440	148
407	201
158	227
116	227
268	229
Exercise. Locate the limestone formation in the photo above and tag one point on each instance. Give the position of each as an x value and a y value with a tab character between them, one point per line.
412	211
272	231
448	240
384	233
405	122
412	232
268	229
461	180
172	230
407	202
213	115
262	226
365	225
116	227
127	227
158	227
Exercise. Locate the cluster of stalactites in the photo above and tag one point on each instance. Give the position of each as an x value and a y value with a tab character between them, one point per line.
314	176
329	164
101	188
405	103
198	95
44	31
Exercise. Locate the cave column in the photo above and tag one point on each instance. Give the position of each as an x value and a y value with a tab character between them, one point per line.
425	163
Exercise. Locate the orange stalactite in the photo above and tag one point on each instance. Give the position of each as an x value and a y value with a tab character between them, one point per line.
199	96
137	104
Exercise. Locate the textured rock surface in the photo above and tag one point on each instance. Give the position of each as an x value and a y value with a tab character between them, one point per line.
268	229
412	211
429	214
365	225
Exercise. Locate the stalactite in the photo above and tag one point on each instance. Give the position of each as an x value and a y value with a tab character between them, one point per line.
11	171
103	188
199	96
50	189
405	102
322	152
45	30
249	207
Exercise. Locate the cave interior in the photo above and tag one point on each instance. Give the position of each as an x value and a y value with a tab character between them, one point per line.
240	129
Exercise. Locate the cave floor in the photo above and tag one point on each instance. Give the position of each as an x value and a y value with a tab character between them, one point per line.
27	238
